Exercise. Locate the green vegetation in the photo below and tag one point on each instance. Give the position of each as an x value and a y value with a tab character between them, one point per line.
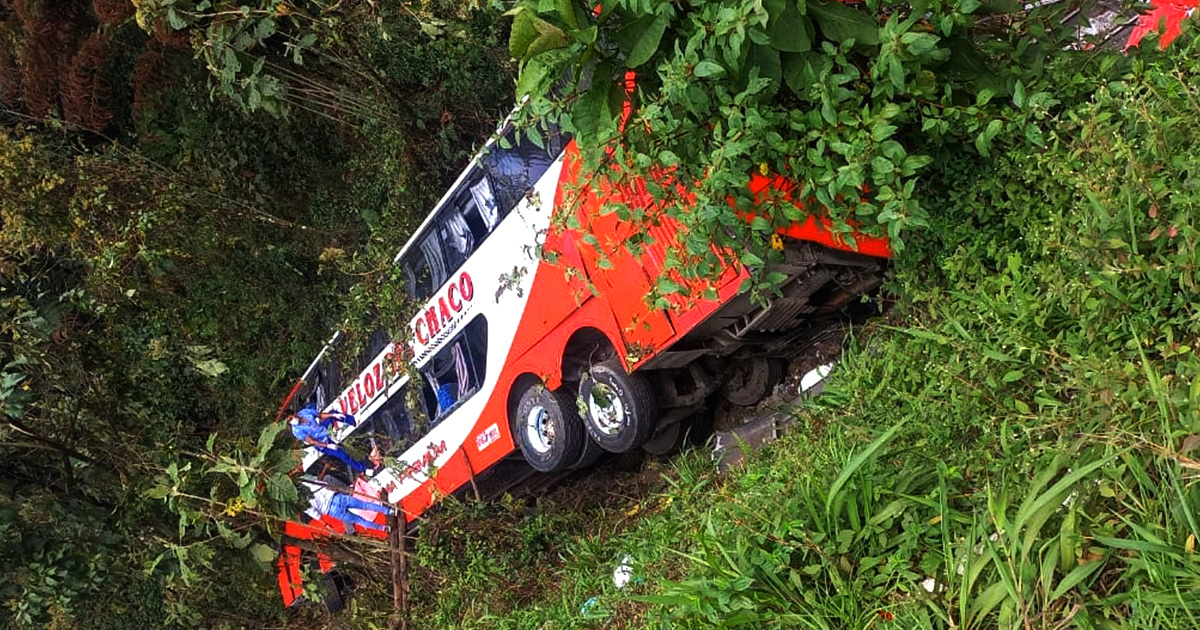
839	99
170	259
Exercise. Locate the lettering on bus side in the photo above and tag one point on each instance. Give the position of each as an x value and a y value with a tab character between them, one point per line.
373	382
437	322
425	464
442	316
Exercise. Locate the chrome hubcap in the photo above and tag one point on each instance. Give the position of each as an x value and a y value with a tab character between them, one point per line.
539	430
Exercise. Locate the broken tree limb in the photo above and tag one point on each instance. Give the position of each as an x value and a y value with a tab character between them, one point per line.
397	542
471	472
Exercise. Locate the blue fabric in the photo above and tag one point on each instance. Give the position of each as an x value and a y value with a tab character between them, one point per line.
354	465
309	414
315	429
445	396
343	503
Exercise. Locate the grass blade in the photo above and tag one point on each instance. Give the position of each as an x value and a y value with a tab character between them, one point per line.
857	462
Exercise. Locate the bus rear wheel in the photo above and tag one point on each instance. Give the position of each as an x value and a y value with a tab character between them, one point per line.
752	380
547	429
621	411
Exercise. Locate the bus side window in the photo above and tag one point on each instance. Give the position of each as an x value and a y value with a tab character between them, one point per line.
425	266
373	346
467	219
514	164
323	385
393	418
456	372
391	426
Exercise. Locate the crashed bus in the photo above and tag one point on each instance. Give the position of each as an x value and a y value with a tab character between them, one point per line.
546	362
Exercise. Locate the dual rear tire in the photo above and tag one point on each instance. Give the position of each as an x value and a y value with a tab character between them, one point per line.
619	414
547	428
621	411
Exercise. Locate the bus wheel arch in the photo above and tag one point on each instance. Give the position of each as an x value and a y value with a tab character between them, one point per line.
587	346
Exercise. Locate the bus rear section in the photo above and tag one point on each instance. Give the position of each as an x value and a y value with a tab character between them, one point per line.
515	358
638	366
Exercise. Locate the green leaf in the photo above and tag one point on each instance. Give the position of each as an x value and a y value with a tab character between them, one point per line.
266	439
766	60
1013	375
157	492
988	599
591	111
639	40
534	75
1075	577
839	23
211	368
568	10
751	260
549	37
264	29
708	68
263	553
281	489
788	30
174	20
801	70
1034	512
857	462
523	33
667	286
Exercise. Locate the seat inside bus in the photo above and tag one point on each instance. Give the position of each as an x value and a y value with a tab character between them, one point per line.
456	372
506	173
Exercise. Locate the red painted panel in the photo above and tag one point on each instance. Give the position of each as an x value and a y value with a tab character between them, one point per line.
291	584
620	277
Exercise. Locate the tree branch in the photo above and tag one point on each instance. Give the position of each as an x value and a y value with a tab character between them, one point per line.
23	429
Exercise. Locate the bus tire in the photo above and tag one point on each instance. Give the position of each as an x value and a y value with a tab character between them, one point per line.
665	440
331	597
547	429
621	411
753	380
590	454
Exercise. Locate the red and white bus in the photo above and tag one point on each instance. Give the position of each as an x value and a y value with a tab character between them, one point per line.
514	358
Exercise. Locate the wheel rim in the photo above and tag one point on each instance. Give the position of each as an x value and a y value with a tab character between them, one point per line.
539	429
608	416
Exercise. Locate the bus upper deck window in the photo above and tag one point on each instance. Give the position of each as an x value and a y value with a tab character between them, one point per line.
424	267
485	202
515	163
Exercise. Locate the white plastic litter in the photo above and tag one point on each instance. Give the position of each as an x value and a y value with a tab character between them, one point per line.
815	376
623	573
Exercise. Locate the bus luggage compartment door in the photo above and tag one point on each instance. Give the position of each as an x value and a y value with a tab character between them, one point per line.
623	280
